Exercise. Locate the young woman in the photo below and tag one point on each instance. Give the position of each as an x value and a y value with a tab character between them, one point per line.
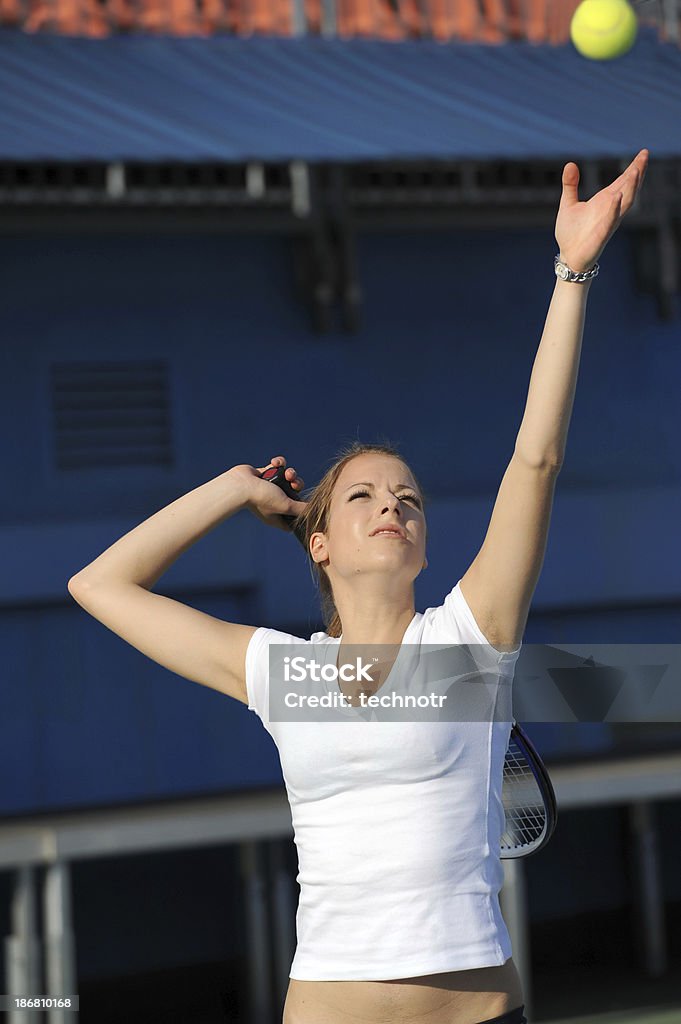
396	823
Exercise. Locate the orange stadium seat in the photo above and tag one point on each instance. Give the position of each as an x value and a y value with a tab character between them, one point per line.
535	21
394	21
222	15
484	21
246	17
11	12
447	20
122	15
313	15
181	17
355	18
270	17
494	22
66	17
560	16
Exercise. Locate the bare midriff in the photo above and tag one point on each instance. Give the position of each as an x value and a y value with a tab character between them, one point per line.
456	997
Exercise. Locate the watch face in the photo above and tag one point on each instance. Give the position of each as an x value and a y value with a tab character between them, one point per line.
562	271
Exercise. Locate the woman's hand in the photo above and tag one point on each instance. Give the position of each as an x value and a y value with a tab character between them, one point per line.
584	229
263	498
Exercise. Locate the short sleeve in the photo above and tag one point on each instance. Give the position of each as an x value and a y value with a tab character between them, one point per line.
457	617
257	668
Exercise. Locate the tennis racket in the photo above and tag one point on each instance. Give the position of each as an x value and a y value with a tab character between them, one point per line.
530	809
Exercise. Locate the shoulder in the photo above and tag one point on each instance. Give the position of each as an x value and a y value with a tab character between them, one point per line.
322	638
266	636
454	622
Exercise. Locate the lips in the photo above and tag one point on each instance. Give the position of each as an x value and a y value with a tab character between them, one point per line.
390	528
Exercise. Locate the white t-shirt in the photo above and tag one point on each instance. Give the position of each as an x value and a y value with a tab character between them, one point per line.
397	824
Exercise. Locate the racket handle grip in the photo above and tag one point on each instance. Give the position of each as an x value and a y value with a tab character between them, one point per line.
276	475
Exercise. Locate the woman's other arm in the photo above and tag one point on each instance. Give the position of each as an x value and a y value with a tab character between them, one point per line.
115	587
500	582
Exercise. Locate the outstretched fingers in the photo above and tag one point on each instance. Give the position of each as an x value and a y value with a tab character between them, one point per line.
630	179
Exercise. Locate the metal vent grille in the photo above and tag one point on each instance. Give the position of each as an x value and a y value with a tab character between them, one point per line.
111	414
252	186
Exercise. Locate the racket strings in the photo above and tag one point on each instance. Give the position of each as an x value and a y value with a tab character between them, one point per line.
523	802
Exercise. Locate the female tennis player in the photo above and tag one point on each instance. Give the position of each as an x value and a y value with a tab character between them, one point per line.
397	829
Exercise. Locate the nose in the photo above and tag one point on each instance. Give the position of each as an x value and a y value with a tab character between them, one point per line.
392	503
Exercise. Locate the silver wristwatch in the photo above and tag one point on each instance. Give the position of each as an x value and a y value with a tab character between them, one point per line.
565	274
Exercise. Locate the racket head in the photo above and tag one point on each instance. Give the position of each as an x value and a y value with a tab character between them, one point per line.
530	807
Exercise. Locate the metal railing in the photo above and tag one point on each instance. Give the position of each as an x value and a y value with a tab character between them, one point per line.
256	822
481	21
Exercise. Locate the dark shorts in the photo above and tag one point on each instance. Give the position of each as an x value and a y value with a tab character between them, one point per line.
516	1016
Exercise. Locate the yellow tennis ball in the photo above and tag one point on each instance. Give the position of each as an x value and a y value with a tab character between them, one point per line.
602	29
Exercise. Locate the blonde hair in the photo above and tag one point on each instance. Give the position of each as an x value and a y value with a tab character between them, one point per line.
315	519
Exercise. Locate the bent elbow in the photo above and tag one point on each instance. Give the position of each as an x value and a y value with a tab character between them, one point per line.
76	585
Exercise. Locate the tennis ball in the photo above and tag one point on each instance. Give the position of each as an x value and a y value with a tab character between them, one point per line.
602	29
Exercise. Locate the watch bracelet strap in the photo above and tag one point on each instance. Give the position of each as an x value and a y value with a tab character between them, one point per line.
578	276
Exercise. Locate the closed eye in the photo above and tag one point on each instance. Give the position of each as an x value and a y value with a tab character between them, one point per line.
406	496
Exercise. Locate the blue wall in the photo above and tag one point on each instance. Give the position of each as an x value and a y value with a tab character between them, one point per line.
440	366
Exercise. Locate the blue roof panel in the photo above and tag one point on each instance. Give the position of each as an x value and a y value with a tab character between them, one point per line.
224	98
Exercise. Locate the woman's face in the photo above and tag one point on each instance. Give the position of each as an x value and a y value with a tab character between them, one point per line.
373	490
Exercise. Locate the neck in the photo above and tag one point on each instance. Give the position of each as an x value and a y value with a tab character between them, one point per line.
382	625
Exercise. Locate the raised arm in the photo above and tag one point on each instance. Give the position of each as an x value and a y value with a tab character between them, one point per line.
116	587
500	582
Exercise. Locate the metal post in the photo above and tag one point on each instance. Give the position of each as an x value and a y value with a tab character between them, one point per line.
328	25
299	27
650	902
668	264
259	961
672	20
115	180
22	947
513	899
299	176
60	946
284	920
